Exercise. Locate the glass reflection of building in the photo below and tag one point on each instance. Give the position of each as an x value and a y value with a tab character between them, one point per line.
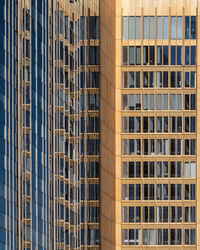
49	124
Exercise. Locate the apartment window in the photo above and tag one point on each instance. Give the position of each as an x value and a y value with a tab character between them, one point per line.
190	79
131	27
176	102
148	236
176	55
131	102
131	214
138	27
162	27
190	146
162	169
176	214
131	237
148	102
148	214
190	27
176	79
190	236
131	124
131	170
148	169
190	191
148	147
148	124
131	79
175	236
190	124
176	124
175	191
148	55
190	55
125	28
162	79
131	192
190	102
189	214
162	191
162	146
148	191
176	146
125	55
148	79
162	101
162	124
162	214
162	236
175	169
190	169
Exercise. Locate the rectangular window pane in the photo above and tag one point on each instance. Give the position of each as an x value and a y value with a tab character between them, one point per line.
173	27
187	27
138	27
138	55
165	27
179	28
193	27
131	27
145	27
159	27
152	27
131	55
125	28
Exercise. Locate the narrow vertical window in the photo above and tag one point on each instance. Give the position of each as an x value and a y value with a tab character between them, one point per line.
145	27
165	27
179	28
159	27
138	27
125	28
152	27
173	27
131	27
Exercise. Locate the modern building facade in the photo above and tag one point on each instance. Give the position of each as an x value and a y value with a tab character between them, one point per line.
49	174
149	96
99	137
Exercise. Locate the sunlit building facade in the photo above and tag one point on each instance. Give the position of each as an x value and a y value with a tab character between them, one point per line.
49	103
149	149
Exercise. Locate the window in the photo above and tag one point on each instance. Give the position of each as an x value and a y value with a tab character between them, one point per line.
190	237
162	236
162	124
131	237
175	169
176	79
190	55
148	169
131	192
131	214
190	191
176	55
133	100
162	55
162	214
148	147
138	27
148	124
189	214
175	191
125	28
176	124
162	79
148	236
162	191
148	191
131	170
162	101
176	146
148	102
190	146
131	28
162	27
190	169
148	79
175	236
190	27
131	79
175	214
176	102
131	124
162	169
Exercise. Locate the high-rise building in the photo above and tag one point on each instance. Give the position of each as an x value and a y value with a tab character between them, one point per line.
49	124
149	106
64	182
